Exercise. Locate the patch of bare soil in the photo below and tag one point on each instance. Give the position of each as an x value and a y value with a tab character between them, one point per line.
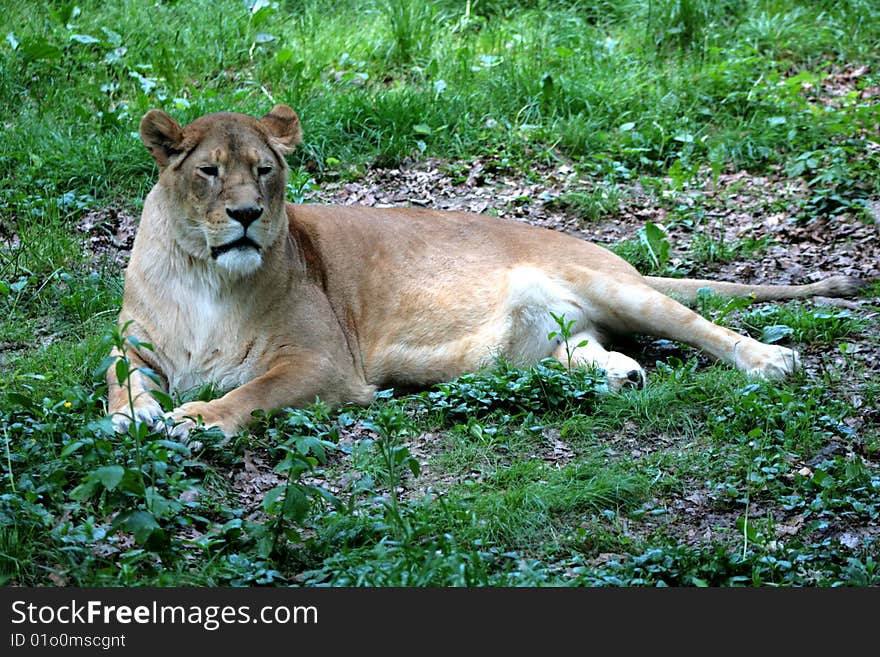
840	85
109	233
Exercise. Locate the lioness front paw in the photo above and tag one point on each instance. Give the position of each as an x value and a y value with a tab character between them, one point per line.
146	409
765	361
183	419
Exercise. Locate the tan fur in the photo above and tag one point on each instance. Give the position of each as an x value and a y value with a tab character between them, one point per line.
333	303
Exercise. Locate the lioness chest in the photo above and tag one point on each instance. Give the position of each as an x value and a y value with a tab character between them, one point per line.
208	338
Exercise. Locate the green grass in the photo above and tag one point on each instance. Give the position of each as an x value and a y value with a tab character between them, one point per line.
602	202
505	477
705	250
803	323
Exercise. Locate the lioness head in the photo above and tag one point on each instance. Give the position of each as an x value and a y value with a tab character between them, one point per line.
225	177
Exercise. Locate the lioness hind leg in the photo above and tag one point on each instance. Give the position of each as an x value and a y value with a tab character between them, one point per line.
584	349
647	311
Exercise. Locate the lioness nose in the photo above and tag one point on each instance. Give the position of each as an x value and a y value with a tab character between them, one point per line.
246	215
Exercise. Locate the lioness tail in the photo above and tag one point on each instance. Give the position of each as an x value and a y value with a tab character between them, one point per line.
686	289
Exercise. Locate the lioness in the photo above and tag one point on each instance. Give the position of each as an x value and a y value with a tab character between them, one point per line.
283	304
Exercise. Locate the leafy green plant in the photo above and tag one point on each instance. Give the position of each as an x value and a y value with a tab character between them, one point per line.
706	250
602	202
133	482
303	437
391	423
564	334
137	487
718	307
425	558
649	252
655	243
546	386
802	322
833	187
714	565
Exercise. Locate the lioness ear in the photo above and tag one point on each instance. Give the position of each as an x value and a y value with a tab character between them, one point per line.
283	125
162	136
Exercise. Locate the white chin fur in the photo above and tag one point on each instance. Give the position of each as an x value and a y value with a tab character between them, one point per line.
240	262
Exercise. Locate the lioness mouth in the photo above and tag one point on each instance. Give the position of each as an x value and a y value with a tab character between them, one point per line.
242	242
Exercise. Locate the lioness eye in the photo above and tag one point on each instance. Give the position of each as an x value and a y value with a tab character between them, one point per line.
263	171
209	171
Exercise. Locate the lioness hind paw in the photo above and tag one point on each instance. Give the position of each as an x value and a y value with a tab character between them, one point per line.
623	372
775	364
